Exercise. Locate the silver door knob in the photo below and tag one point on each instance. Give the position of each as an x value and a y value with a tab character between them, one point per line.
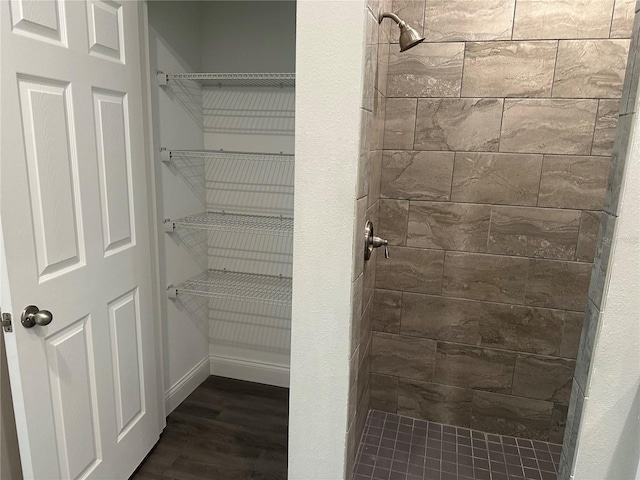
32	316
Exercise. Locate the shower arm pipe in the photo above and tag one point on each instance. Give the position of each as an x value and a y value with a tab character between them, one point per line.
393	17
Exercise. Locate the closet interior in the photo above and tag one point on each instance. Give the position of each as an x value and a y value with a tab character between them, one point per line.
223	129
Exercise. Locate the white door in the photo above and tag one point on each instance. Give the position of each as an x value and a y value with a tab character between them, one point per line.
76	231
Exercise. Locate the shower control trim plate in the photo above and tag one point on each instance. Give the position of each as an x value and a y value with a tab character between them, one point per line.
371	241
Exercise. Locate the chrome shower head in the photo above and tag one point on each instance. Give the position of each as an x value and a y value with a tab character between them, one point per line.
409	36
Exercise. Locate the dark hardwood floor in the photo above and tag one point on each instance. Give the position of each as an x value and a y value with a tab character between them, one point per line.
225	430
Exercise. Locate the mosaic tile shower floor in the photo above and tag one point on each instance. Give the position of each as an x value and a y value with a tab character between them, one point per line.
402	448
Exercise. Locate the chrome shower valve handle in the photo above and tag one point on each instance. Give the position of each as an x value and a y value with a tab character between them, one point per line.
371	242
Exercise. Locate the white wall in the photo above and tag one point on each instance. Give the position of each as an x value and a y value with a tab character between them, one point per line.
329	66
175	46
249	36
608	445
249	341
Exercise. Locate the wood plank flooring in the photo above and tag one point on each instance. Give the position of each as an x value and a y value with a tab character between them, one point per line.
227	430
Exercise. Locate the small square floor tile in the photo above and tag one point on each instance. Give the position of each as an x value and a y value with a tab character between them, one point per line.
394	447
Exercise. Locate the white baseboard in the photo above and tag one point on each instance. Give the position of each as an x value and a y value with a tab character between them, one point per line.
180	390
249	370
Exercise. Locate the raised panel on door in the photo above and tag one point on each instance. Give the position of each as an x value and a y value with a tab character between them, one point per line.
126	354
40	19
114	165
52	165
105	29
72	378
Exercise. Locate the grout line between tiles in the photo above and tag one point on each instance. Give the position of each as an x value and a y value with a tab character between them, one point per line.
613	12
513	19
595	125
415	125
489	229
555	69
464	59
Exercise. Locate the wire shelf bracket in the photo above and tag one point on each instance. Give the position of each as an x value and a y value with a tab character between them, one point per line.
228	285
233	222
231	79
167	155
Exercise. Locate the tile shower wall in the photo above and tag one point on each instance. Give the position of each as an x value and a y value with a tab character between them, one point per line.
592	331
496	147
366	207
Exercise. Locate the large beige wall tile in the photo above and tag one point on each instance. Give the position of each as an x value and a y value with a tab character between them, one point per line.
498	178
606	123
402	356
417	175
507	327
399	123
621	155
450	20
448	226
393	221
551	19
590	68
427	70
548	126
557	284
356	312
622	23
474	367
628	101
543	378
361	212
534	232
377	124
384	393
411	270
412	12
369	80
375	172
509	69
383	67
602	259
364	165
461	124
509	415
573	182
435	403
522	329
588	238
385	315
440	318
573	322
485	277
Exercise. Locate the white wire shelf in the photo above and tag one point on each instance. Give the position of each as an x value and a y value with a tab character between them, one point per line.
168	155
226	285
232	79
234	222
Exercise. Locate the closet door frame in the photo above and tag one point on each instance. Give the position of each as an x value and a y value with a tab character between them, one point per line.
154	222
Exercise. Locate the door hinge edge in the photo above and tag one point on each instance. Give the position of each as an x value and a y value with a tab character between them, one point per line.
7	324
